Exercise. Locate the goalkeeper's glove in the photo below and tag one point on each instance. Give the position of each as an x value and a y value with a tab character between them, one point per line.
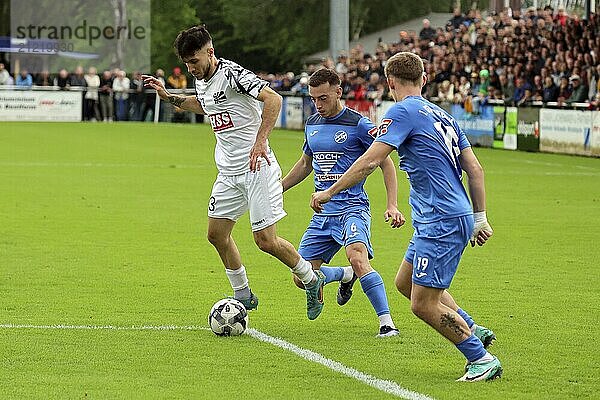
481	229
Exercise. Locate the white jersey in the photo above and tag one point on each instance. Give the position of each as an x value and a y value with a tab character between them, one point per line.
229	98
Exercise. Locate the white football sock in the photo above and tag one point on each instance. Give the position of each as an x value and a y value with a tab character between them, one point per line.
487	358
239	282
303	270
386	319
348	274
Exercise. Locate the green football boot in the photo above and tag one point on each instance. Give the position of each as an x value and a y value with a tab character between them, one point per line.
314	297
486	371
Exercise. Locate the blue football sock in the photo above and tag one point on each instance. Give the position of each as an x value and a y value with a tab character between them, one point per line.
472	348
372	285
466	317
332	274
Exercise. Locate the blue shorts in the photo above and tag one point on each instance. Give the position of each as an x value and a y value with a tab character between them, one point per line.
326	235
436	248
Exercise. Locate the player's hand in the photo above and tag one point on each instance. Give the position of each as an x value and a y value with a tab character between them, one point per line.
154	83
397	219
482	230
258	150
318	199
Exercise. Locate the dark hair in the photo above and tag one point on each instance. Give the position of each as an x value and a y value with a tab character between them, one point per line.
323	76
191	40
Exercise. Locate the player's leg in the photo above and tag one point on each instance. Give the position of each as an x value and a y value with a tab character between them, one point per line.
225	206
372	284
404	285
265	202
436	250
318	246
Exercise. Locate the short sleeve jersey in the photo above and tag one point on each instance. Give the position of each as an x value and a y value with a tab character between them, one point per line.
429	142
229	97
334	144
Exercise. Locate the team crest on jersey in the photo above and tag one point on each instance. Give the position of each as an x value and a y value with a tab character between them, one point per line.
383	127
219	97
340	137
220	121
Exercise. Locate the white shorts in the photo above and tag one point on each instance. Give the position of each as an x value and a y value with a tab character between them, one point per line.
260	192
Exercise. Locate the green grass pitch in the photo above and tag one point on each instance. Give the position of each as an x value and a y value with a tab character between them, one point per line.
106	225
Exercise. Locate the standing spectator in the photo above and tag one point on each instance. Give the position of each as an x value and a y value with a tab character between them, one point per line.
43	79
105	96
77	78
62	80
177	81
136	100
522	86
24	79
580	90
427	33
91	110
121	92
4	75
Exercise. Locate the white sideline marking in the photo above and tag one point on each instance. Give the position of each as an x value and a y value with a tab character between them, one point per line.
99	165
110	327
380	384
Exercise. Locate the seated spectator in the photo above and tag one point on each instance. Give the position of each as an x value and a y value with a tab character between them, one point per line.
527	97
464	90
24	79
550	92
580	90
507	89
520	89
564	90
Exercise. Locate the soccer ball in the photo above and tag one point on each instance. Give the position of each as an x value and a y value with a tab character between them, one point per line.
228	317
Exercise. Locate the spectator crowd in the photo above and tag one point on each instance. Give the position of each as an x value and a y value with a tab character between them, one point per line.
533	57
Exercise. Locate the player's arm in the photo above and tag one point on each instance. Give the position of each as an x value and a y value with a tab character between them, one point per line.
482	230
269	116
361	168
189	103
391	188
298	173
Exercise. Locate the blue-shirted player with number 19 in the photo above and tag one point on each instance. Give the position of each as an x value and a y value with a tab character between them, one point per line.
335	137
433	151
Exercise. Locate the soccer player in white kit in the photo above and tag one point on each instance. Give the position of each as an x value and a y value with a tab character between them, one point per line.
248	173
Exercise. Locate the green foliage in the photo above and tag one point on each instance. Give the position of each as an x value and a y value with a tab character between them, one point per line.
168	18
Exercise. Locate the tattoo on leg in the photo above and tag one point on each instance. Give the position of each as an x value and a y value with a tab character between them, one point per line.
176	100
449	321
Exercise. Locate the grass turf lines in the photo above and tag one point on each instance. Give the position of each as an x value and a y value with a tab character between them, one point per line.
105	225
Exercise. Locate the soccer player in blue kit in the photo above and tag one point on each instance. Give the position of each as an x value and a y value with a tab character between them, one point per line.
433	151
334	138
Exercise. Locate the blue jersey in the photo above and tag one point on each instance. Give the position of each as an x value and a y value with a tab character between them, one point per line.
429	142
334	144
